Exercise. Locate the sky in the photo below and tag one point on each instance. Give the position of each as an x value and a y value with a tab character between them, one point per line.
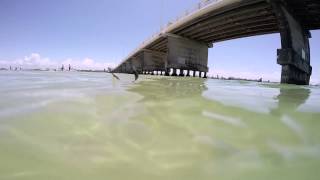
101	33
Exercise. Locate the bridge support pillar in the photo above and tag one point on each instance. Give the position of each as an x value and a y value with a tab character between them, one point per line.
186	54
294	56
174	73
205	75
167	72
181	73
128	67
188	73
151	61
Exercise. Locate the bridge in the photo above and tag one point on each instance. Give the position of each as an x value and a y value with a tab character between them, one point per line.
181	49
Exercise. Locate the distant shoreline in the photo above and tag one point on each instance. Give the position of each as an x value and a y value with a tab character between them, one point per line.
106	71
54	70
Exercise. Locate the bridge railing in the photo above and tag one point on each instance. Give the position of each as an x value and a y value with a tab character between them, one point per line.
201	5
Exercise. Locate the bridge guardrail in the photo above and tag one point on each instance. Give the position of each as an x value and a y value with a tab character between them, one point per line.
201	5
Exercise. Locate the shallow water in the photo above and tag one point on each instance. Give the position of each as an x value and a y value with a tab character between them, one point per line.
69	126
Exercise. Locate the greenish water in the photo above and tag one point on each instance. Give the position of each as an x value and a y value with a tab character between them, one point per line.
81	126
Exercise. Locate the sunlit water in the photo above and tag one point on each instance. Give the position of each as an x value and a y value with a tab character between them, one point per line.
83	126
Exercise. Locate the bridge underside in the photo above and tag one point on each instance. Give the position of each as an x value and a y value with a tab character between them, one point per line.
292	18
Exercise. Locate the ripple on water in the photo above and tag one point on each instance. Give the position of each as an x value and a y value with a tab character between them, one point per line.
90	126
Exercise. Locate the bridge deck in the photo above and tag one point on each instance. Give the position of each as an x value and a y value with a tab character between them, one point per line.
231	19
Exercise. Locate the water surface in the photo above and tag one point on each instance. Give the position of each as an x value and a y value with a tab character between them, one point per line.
67	126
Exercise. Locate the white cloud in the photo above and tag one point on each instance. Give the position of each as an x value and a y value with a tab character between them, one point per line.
32	61
87	63
35	61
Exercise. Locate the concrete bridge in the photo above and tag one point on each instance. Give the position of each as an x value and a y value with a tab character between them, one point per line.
181	49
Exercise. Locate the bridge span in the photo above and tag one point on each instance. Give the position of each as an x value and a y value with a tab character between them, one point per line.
183	44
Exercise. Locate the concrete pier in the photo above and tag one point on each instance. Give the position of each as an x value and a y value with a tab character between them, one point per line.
181	74
174	73
294	55
188	73
148	61
167	72
184	53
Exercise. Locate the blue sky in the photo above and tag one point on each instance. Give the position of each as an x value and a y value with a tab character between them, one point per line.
102	32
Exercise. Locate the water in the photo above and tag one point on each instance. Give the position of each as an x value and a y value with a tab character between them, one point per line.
83	126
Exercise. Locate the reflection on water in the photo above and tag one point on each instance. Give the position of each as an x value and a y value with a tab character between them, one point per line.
163	89
291	98
92	127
